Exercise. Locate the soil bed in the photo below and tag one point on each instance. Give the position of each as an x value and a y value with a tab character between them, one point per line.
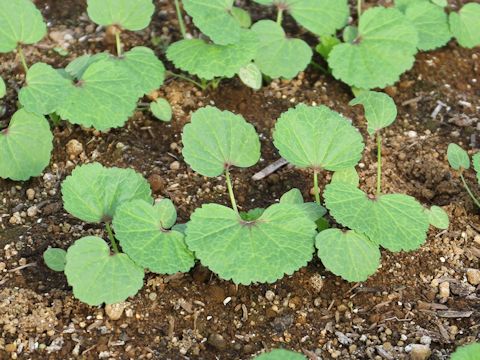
198	316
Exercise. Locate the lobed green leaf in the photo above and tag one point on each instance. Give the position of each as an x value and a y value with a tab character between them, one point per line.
131	15
55	259
457	157
380	109
465	25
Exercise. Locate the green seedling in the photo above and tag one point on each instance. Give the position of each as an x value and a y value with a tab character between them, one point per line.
465	25
161	109
251	76
25	146
22	24
280	354
460	161
467	352
105	273
257	246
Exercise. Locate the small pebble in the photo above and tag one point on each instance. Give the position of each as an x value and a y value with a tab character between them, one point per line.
74	148
32	211
115	311
270	295
444	290
419	352
473	276
175	165
412	134
30	194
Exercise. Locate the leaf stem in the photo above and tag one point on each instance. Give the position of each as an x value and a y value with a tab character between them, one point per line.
112	238
475	200
316	190
181	22
230	190
118	42
359	8
280	16
186	78
22	58
379	164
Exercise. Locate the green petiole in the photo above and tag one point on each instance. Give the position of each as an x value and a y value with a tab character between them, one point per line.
315	187
181	22
469	191
112	238
230	190
379	164
22	58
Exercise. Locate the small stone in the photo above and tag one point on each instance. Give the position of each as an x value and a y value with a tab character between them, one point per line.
115	311
217	341
420	352
316	282
152	296
473	276
74	148
444	290
30	194
175	165
32	211
426	340
412	134
270	295
3	266
156	183
16	219
10	348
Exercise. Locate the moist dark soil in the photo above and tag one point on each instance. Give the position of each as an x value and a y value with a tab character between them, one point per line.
399	312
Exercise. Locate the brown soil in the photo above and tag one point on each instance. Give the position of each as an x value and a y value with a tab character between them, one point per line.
314	312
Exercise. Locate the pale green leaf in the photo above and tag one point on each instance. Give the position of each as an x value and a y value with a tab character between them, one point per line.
311	210
55	259
380	109
20	23
251	76
402	5
347	175
348	254
467	352
465	25
395	221
208	61
78	66
441	3
252	215
45	89
476	165
279	56
131	15
97	276
293	196
144	234
278	243
216	140
161	109
280	354
242	17
431	23
317	137
25	146
3	88
327	43
92	193
349	34
457	157
215	19
438	217
385	48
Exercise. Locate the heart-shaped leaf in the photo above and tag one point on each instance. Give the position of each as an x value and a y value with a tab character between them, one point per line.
431	23
348	254
144	233
312	210
457	157
322	17
251	76
476	165
277	55
131	15
264	250
467	352
20	23
25	146
92	193
161	109
465	25
3	88
208	61
215	19
97	276
318	138
347	175
77	67
55	259
380	109
216	140
384	48
438	217
395	221
280	354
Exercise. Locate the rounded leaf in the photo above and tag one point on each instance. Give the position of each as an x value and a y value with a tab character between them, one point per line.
20	23
208	61
465	25
384	48
279	242
395	221
3	88
380	109
467	352
348	254
457	157
97	276
347	175
251	76
25	146
277	55
215	19
55	258
161	109
318	138
438	217
143	232
242	17
311	210
216	140
92	193
131	15
476	165
280	354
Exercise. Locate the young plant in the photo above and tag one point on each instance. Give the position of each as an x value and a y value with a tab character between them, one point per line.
467	352
280	354
258	246
460	161
99	272
465	25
